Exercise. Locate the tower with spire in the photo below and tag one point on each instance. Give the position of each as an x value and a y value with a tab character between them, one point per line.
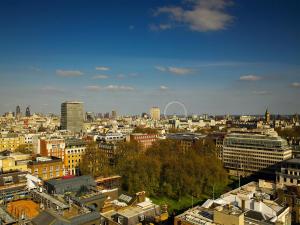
267	117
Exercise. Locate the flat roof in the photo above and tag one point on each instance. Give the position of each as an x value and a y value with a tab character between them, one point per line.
72	102
294	161
51	199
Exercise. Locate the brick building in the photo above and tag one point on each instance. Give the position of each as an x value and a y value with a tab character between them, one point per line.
146	140
53	146
46	167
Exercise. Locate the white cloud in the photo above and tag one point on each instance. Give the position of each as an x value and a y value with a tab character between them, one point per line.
200	15
69	73
163	88
174	70
161	68
118	88
102	68
179	71
261	92
250	78
109	88
102	76
295	84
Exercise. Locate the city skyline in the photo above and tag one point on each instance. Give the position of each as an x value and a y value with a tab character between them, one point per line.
218	57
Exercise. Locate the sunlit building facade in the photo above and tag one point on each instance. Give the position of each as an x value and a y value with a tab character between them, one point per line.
254	151
74	151
155	113
11	141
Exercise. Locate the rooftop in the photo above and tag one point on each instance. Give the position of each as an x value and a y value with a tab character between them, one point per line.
74	141
72	102
186	136
293	161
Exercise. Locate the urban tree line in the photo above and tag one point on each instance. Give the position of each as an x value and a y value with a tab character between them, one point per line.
164	169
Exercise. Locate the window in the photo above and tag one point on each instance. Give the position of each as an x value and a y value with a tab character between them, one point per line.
8	180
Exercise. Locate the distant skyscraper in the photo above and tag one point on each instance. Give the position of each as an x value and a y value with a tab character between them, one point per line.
99	115
106	115
114	114
18	111
27	113
72	116
155	113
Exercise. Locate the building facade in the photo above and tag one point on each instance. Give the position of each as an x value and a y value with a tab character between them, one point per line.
110	137
145	140
72	116
109	149
289	174
252	151
52	146
46	167
74	151
155	113
186	140
11	141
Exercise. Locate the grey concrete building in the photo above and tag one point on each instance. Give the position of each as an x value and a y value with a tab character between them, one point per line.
72	116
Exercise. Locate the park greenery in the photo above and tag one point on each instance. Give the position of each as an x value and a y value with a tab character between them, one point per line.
289	132
145	130
165	170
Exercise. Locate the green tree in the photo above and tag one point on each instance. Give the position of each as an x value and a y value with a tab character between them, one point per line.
94	161
146	130
164	169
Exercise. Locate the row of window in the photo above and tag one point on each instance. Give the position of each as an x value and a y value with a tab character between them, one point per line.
74	160
45	169
76	151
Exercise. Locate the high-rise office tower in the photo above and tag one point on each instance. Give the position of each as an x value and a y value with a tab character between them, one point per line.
72	116
18	111
106	115
27	113
155	113
113	114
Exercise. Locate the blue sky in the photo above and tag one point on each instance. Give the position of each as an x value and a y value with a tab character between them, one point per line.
215	56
